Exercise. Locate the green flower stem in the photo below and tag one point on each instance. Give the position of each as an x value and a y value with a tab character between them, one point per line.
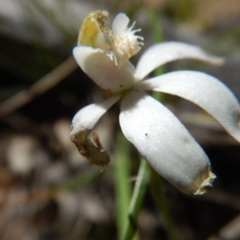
122	184
136	201
160	200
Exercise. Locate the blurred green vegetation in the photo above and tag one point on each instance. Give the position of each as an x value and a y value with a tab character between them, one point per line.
35	38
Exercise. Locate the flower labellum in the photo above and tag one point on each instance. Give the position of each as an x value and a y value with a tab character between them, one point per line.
103	54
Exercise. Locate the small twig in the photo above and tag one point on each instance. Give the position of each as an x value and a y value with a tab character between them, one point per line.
41	86
22	123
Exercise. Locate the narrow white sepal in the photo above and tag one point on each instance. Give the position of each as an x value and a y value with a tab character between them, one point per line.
102	70
165	143
205	91
162	53
82	123
87	117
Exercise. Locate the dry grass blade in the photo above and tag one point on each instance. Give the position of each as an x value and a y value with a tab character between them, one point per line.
41	86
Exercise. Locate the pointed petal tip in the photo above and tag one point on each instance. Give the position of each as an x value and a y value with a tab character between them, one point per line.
206	185
91	151
216	60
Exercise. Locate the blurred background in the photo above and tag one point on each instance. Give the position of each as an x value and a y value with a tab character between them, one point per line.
47	191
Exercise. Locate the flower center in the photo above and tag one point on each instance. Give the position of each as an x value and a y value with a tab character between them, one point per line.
119	45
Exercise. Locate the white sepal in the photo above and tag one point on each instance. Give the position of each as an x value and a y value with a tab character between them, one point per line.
87	117
82	123
205	91
165	143
162	53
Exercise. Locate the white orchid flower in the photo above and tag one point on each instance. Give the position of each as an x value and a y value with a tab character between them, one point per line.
157	134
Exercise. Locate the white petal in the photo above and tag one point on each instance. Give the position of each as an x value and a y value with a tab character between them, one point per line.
165	143
203	90
82	123
162	53
120	23
102	70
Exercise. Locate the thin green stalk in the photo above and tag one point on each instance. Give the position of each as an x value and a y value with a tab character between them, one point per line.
136	201
160	200
122	185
